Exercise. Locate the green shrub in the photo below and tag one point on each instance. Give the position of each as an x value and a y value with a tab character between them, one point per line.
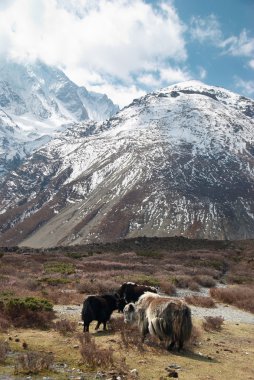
76	255
146	280
149	253
63	268
55	281
28	303
27	312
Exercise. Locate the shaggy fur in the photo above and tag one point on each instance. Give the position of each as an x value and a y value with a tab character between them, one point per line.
167	318
98	308
130	292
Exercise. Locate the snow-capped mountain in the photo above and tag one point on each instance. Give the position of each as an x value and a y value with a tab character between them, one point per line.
45	94
179	161
41	100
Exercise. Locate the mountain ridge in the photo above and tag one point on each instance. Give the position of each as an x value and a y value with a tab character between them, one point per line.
41	100
174	162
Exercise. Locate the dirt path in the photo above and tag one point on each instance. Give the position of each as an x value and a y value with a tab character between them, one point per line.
229	313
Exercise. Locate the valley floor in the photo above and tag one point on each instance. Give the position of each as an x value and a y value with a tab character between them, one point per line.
66	278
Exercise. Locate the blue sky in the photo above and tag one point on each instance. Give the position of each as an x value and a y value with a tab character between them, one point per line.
227	65
125	48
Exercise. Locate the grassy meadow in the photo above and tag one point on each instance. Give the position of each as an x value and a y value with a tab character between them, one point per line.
41	295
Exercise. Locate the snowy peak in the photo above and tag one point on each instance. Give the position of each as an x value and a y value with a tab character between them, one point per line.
179	161
46	93
41	100
219	94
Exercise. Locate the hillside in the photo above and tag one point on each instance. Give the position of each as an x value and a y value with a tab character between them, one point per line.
175	162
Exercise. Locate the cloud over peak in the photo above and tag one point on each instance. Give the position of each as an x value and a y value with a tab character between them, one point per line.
109	38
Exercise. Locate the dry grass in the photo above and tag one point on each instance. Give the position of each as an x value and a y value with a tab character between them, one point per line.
225	348
207	302
212	323
33	362
4	348
131	338
4	323
239	296
32	276
65	326
196	336
94	356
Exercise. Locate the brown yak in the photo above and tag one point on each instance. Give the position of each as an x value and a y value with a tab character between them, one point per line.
167	318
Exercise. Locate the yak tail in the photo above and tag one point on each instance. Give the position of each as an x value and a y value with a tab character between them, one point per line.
186	325
87	312
160	328
182	324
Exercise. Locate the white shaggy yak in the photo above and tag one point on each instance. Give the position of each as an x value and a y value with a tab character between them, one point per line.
167	318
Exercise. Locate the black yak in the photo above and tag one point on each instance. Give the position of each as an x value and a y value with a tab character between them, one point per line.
98	308
167	318
130	292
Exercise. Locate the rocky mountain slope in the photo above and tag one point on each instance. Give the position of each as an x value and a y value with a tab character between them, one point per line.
179	161
41	100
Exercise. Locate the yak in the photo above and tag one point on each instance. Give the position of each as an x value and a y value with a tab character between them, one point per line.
130	292
98	308
167	318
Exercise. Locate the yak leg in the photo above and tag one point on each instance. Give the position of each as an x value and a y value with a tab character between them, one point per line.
144	333
171	345
86	328
180	345
104	325
98	325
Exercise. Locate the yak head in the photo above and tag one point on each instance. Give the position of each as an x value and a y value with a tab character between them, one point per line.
129	313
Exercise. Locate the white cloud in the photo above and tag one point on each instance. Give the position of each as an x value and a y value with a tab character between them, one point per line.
243	45
149	79
120	94
206	29
116	39
202	72
164	77
246	86
171	75
251	64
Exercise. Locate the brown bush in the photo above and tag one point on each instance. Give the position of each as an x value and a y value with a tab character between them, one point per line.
212	323
130	336
65	326
93	286
182	281
193	286
4	323
92	355
200	301
240	296
206	281
116	324
4	348
167	288
33	362
63	297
